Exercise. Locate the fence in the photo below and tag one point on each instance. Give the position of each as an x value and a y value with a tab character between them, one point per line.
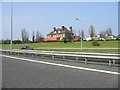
112	59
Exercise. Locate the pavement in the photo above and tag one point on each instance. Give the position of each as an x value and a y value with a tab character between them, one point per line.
17	73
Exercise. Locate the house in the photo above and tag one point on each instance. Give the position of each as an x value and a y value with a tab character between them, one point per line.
101	37
76	38
59	33
88	38
51	39
96	37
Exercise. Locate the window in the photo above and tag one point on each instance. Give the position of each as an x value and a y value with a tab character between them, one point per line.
58	31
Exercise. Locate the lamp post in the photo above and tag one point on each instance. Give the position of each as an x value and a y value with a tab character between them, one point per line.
11	25
81	34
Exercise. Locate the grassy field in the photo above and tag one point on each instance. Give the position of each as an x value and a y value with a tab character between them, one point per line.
69	46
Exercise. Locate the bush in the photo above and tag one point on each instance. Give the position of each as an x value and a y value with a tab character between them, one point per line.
95	43
64	40
17	42
52	41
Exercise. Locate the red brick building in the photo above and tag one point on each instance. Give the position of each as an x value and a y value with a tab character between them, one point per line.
76	38
59	33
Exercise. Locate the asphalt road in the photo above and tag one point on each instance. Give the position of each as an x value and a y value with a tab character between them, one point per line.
23	74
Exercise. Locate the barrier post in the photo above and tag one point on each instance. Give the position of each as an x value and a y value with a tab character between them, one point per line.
113	62
52	57
85	60
109	63
63	57
41	56
32	55
76	58
18	53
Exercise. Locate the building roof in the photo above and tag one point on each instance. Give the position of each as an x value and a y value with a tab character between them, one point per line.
51	39
63	29
76	38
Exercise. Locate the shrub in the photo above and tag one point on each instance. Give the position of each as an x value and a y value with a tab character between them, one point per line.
65	40
95	43
17	42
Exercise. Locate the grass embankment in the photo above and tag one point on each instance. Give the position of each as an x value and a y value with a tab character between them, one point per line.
69	46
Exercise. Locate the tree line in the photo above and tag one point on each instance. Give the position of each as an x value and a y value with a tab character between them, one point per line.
36	36
92	33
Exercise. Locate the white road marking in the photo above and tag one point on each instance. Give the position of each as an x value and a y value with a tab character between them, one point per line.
63	65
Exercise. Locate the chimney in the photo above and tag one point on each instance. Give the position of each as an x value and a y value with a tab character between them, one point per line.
63	27
54	28
71	29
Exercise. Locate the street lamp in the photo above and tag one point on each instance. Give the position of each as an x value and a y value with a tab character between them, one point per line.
81	34
11	25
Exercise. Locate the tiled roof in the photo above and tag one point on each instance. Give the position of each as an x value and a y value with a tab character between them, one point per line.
76	38
51	39
61	30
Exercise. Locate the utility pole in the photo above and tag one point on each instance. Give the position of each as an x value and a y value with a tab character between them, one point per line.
11	25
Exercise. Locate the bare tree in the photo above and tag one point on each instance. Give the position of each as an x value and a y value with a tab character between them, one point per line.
33	36
37	36
109	31
25	36
91	32
40	37
102	34
82	34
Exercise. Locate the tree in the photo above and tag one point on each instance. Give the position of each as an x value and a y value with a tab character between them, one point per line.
95	43
109	31
25	36
38	36
91	32
82	34
17	41
102	34
5	41
33	36
64	40
118	37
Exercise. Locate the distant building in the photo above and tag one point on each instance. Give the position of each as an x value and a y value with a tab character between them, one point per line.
59	33
99	37
76	38
88	38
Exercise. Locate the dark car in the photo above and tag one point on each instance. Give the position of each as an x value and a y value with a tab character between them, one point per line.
27	48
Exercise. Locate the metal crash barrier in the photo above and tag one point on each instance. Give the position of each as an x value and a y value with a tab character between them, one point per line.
112	59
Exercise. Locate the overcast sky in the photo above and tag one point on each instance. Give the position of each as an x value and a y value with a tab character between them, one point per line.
42	17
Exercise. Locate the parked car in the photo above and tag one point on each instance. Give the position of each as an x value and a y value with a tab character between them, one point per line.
27	48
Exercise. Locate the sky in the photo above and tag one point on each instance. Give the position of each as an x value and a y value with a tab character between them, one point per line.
43	16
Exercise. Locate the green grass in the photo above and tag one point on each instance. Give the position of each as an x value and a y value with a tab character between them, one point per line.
62	45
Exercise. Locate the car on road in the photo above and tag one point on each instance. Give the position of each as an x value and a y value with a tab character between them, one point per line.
26	48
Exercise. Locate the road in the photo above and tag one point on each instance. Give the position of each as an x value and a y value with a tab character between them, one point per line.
23	74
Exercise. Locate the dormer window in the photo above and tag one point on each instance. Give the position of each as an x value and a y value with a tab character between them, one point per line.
58	31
